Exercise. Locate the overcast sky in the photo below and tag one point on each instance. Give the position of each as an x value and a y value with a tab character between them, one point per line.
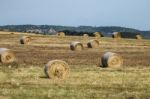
127	13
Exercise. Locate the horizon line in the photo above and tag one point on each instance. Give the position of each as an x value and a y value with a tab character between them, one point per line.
74	26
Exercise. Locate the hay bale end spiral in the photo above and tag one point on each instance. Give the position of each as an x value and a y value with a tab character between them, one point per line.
6	55
57	69
61	34
25	40
111	60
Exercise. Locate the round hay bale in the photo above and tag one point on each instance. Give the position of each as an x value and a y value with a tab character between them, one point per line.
116	35
25	40
112	60
93	44
56	69
139	37
76	46
85	35
97	34
61	34
6	55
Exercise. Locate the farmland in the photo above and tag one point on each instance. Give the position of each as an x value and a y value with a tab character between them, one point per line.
25	78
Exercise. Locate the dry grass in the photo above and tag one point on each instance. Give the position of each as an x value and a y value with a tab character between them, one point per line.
83	83
26	78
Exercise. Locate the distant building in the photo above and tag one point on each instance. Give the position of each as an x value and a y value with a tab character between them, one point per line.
34	31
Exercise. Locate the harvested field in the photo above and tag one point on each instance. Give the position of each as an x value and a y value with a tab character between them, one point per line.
26	79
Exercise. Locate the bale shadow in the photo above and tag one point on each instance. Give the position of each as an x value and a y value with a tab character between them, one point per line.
44	77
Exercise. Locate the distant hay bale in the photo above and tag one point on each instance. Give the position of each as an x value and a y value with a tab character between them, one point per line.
98	34
12	33
93	44
139	37
116	35
112	60
56	69
61	34
76	46
25	40
6	55
85	35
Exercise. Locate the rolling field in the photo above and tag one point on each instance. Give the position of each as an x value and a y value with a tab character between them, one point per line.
25	79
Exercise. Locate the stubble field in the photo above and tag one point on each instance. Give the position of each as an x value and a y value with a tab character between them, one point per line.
25	79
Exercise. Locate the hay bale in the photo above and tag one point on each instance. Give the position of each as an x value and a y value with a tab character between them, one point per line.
6	55
61	34
76	46
25	40
97	34
139	37
112	60
85	35
93	44
116	35
56	69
